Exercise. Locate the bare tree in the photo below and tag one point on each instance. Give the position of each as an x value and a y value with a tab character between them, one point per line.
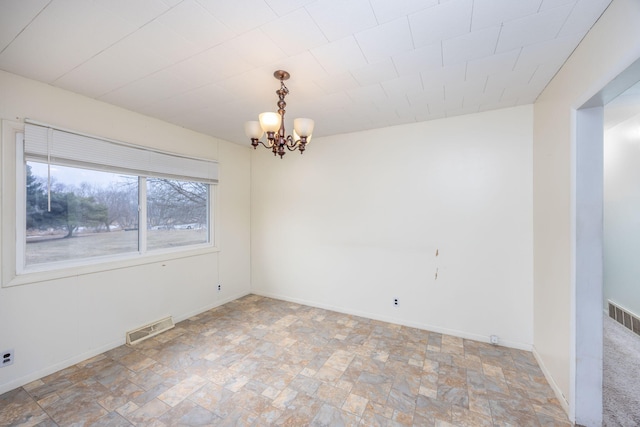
172	202
121	200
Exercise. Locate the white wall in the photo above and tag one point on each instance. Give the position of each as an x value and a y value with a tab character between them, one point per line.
57	322
622	214
356	222
608	49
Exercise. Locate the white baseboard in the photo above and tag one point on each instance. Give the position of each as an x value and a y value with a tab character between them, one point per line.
556	390
26	379
417	325
210	306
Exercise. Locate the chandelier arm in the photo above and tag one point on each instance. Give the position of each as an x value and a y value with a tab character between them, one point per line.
291	144
269	145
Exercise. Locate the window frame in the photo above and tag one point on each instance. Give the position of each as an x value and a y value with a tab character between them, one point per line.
13	221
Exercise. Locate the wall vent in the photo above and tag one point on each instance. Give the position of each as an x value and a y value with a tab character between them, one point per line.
150	330
625	317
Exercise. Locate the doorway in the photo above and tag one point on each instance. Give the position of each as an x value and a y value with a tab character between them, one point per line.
588	249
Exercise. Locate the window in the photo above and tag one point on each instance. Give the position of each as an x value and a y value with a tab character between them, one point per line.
83	200
176	213
85	214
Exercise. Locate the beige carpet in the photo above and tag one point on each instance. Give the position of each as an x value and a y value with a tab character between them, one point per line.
621	382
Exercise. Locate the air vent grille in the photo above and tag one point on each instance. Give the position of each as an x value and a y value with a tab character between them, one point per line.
624	317
150	330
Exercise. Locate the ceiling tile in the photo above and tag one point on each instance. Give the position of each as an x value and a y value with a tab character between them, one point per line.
59	24
470	46
172	3
137	12
423	99
441	22
256	48
206	67
303	67
339	56
505	79
257	85
328	103
375	73
193	22
337	83
521	94
354	16
16	16
307	34
110	70
473	93
150	49
550	4
423	58
403	85
161	40
556	51
444	75
495	12
468	90
385	40
188	102
240	16
367	94
482	67
583	15
283	7
155	87
543	74
532	29
386	10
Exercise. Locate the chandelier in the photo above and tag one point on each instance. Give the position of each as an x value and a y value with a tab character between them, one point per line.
273	125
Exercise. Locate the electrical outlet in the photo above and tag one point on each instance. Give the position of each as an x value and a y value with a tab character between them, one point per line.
395	302
7	358
493	339
219	287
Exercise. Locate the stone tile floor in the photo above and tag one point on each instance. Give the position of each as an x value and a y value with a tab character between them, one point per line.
258	362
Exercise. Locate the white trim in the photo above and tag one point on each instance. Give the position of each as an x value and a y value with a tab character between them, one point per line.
418	325
556	390
8	171
21	203
111	263
142	215
33	376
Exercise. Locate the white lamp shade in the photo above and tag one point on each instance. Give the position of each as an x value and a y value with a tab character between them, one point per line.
253	130
270	122
303	127
296	137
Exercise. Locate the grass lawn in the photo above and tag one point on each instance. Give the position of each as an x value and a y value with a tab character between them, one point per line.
87	245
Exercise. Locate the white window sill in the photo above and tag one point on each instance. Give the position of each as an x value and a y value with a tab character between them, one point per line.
93	267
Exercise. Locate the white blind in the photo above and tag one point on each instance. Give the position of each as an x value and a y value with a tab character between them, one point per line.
42	143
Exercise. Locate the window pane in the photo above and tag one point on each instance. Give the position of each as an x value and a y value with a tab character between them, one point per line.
177	213
92	214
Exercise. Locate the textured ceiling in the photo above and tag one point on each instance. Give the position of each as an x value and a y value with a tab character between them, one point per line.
208	65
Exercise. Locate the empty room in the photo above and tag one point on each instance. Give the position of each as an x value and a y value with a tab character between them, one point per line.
305	212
